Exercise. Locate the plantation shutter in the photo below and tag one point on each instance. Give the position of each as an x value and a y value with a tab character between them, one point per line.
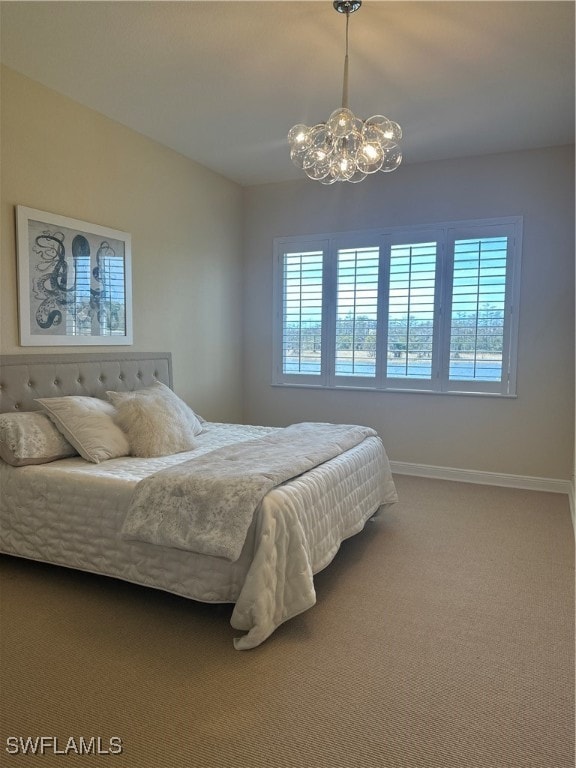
411	310
480	341
478	304
356	311
302	274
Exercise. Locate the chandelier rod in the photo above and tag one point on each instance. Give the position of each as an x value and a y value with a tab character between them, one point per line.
347	7
345	82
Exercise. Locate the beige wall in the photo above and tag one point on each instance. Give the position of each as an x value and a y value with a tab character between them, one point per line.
185	221
531	435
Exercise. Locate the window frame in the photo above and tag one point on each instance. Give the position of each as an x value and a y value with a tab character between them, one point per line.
445	235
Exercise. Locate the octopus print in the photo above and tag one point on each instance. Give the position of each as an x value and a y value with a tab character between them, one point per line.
73	284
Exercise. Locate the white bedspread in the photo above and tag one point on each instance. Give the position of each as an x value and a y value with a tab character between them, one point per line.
70	513
207	504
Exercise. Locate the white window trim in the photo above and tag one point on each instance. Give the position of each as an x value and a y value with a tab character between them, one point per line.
444	233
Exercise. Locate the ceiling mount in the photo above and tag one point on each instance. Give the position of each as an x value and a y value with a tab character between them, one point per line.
347	6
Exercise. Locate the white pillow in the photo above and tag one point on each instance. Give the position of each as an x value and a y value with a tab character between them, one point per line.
156	421
31	438
88	423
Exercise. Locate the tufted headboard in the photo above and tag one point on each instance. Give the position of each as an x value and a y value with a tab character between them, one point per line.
25	377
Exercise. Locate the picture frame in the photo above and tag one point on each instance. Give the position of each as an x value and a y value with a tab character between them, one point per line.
74	281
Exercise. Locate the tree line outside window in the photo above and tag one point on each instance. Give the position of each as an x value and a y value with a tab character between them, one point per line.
359	333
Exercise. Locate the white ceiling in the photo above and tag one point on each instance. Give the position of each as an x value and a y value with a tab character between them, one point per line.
222	82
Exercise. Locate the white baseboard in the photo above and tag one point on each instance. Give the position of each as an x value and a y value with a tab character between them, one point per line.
572	506
549	484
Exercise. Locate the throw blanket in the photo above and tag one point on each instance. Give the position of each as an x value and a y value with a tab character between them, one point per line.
206	504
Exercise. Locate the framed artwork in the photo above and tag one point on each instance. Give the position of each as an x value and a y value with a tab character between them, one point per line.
74	281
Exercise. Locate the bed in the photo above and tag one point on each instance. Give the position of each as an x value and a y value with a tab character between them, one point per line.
73	512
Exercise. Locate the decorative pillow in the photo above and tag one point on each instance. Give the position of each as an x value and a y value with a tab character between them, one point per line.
88	423
31	438
156	421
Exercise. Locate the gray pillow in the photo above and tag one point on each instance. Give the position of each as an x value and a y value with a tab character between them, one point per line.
31	438
87	423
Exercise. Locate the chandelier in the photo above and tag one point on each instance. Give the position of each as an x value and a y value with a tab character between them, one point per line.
345	148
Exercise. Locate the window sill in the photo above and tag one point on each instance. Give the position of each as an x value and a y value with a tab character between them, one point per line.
395	390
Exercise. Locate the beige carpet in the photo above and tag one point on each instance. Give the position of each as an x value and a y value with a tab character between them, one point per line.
443	637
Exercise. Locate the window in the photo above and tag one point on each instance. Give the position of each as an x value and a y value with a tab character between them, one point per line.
430	309
356	311
302	275
478	308
411	293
